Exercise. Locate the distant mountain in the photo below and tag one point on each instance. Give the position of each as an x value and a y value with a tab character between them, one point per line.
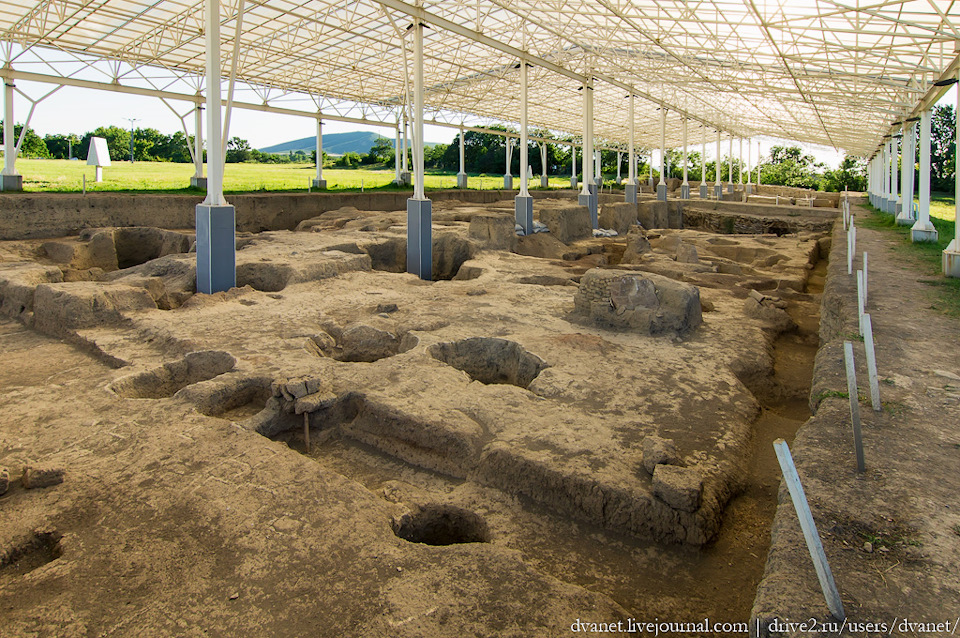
333	144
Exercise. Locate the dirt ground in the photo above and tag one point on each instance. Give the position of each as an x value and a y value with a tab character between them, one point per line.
477	444
891	534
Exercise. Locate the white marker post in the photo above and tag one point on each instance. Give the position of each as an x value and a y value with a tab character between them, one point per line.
864	279
861	294
854	403
809	528
850	232
871	363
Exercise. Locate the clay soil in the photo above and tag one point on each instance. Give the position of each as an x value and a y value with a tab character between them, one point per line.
475	462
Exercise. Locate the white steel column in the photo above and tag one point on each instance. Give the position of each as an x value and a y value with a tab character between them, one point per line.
631	189
704	189
588	195
662	185
740	158
523	203
9	137
462	175
396	156
508	160
632	169
749	186
319	182
894	177
685	187
419	208
951	255
198	180
730	165
718	187
573	166
405	144
923	230
215	219
544	180
214	116
885	178
758	166
587	137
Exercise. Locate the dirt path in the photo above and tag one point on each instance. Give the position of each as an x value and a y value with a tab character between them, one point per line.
892	534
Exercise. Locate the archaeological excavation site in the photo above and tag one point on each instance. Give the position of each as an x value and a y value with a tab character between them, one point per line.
254	388
557	426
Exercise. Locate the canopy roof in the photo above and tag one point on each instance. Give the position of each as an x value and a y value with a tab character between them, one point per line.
816	71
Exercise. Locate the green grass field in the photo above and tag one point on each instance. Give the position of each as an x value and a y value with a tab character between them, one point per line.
925	257
67	176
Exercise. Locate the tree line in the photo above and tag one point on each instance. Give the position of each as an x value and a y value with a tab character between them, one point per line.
485	153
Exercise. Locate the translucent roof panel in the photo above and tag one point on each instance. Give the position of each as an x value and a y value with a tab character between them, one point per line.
817	71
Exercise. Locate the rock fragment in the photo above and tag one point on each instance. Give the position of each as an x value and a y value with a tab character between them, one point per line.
34	477
678	487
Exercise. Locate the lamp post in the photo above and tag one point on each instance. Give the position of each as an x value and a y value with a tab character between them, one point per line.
132	120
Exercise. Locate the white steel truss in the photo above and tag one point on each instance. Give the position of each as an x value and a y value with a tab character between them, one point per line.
829	72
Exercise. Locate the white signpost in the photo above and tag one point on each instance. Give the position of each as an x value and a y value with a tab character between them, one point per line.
98	155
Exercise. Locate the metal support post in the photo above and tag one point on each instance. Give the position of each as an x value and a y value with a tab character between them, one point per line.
523	202
319	182
588	195
215	218
462	175
419	208
951	255
923	230
685	187
662	185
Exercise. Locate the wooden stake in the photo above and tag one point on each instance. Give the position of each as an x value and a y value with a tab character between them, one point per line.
809	527
854	403
306	430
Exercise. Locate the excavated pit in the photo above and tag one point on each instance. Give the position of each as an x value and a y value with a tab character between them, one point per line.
168	379
32	552
436	524
490	360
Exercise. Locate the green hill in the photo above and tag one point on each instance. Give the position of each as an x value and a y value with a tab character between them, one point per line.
333	144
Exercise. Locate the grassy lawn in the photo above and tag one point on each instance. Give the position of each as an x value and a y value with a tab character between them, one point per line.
925	256
67	176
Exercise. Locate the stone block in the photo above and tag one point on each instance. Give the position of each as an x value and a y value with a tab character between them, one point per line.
4	480
659	451
643	302
568	223
493	231
621	217
34	477
679	487
637	245
687	253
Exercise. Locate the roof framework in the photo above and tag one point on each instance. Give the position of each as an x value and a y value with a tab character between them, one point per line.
829	72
